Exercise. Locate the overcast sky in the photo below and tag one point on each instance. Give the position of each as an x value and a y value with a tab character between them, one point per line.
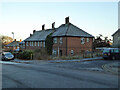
23	17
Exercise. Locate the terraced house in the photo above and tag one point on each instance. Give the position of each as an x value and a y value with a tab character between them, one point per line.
71	40
68	39
37	39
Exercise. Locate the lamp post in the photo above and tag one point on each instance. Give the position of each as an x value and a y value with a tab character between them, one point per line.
13	40
13	35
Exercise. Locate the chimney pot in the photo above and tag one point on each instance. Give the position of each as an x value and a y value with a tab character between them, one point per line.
67	20
30	34
43	27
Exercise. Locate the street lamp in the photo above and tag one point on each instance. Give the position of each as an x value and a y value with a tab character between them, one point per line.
13	35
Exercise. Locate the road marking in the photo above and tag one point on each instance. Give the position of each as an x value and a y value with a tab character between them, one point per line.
105	68
8	62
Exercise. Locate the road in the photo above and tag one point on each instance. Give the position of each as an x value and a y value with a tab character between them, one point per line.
57	75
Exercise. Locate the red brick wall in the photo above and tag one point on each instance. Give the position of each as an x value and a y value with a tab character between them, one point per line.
73	43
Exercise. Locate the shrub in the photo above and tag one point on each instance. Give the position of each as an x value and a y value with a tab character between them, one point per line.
27	54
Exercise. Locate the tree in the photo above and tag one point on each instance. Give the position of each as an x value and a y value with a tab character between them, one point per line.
6	40
99	42
49	44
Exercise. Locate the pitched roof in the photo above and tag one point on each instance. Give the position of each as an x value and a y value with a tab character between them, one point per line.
70	30
116	32
14	43
39	35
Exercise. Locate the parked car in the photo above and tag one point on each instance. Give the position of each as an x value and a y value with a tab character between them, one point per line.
111	53
7	56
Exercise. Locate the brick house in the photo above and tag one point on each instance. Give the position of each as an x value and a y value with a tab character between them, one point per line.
70	40
37	39
12	46
116	39
22	46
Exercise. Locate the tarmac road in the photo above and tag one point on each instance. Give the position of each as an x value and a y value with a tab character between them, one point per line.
51	75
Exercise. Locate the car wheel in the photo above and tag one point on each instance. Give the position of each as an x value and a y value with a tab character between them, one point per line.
113	57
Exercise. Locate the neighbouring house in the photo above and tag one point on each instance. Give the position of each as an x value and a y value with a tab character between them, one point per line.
37	39
70	40
116	39
12	46
22	45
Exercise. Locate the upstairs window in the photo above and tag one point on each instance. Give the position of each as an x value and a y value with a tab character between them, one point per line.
61	40
82	40
32	43
35	43
55	40
41	44
27	43
87	39
38	43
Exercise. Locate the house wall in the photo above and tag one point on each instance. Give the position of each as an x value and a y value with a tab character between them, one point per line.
116	40
72	43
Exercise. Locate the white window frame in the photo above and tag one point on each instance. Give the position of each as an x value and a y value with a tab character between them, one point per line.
35	44
54	52
44	44
82	40
87	39
72	52
40	43
26	43
61	40
32	43
55	40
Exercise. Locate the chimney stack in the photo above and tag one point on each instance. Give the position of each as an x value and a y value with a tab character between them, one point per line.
34	31
43	27
67	20
53	25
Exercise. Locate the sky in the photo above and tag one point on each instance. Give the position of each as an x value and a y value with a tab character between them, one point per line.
23	17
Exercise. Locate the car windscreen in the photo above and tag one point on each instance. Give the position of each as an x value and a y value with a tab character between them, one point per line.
116	50
106	51
8	54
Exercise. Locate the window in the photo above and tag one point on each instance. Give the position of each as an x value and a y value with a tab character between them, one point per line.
55	40
87	39
27	43
93	39
38	43
32	43
35	43
72	52
61	40
82	40
44	44
54	52
41	44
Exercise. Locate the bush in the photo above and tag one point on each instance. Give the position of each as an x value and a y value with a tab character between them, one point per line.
41	54
27	54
